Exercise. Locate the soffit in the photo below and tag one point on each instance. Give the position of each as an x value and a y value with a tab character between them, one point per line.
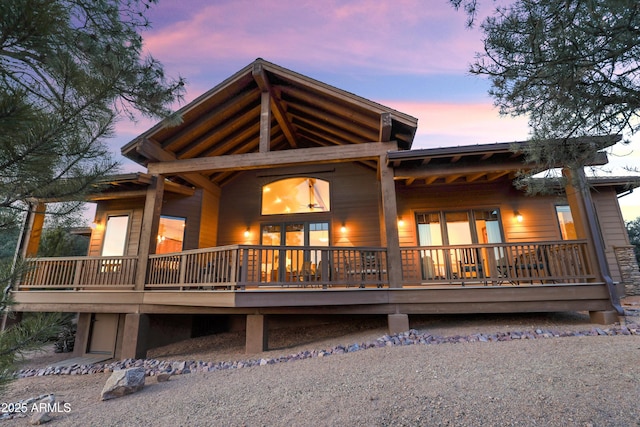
474	163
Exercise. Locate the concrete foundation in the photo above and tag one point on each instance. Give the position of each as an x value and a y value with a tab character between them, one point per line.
603	317
257	334
398	323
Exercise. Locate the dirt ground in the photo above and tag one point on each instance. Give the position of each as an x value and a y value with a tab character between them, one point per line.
575	381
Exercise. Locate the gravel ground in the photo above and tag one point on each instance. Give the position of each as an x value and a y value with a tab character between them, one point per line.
573	381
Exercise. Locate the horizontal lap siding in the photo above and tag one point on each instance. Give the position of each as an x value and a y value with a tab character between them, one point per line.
190	209
132	207
612	226
354	202
540	222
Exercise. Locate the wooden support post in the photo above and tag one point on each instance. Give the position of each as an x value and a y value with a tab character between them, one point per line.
134	336
31	231
83	326
265	122
149	232
257	334
390	217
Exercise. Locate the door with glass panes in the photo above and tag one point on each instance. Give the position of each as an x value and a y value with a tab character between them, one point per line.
297	250
459	228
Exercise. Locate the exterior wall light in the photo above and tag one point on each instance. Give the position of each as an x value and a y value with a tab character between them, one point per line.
247	233
518	216
343	229
400	222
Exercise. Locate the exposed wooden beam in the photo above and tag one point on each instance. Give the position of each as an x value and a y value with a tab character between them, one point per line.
346	111
265	122
211	120
301	156
225	132
385	127
313	115
464	169
475	177
233	142
451	178
260	76
152	150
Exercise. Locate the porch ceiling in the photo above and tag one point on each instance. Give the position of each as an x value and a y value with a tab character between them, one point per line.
305	113
474	163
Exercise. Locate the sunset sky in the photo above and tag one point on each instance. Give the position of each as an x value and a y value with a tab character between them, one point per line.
410	55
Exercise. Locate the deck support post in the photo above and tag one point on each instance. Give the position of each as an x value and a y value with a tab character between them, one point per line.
134	336
257	334
608	317
390	215
82	334
149	232
398	323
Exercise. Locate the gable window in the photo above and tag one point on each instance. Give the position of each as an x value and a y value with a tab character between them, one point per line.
565	221
296	195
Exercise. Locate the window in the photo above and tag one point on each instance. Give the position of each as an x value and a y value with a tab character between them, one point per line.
170	234
565	220
115	235
459	227
295	195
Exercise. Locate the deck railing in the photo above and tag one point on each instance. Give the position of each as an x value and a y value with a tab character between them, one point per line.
233	267
79	273
244	266
498	263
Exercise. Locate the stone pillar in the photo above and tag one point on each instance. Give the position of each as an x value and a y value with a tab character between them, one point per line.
398	323
257	334
626	258
134	336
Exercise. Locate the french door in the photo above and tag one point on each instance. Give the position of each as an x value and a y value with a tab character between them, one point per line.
282	264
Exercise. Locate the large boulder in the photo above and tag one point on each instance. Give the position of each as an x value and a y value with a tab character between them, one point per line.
123	382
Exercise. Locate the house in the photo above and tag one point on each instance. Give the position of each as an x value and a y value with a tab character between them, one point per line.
279	195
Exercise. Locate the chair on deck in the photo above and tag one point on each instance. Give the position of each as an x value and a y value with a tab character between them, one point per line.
533	265
371	268
471	265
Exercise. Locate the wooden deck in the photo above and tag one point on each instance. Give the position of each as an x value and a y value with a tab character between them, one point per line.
540	276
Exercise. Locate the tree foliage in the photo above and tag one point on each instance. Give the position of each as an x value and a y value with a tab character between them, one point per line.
68	70
571	67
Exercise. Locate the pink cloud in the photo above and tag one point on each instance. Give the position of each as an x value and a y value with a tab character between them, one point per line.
449	124
391	36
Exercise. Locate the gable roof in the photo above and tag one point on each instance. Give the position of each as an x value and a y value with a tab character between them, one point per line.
304	113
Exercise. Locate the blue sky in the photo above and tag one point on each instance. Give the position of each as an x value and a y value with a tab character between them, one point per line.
411	55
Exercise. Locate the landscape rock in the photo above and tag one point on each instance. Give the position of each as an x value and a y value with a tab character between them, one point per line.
123	382
39	418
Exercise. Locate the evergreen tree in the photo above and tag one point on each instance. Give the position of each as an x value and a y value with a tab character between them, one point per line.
571	67
68	70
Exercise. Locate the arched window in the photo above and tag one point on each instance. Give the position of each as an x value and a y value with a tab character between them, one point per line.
295	195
